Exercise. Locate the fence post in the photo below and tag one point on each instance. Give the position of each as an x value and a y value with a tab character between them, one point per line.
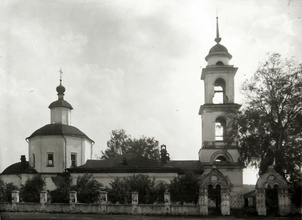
167	199
72	200
103	202
15	199
134	202
43	199
73	197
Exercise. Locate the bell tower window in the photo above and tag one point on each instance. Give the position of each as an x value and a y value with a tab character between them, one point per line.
220	124
219	92
219	63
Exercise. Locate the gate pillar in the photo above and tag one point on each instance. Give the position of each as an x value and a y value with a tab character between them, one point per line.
203	201
260	201
225	202
283	201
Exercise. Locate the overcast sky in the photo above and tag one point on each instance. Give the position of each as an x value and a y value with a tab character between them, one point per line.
127	64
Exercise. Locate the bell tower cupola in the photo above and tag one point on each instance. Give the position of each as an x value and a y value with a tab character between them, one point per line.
60	110
218	77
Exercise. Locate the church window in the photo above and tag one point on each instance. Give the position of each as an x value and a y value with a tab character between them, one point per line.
50	159
219	63
220	125
219	92
220	159
73	157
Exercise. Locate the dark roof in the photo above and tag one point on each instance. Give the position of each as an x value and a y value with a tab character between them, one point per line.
59	129
218	49
60	103
129	162
18	168
187	166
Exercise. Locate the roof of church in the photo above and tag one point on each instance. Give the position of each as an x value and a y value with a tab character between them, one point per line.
132	162
18	168
60	103
59	129
129	162
187	165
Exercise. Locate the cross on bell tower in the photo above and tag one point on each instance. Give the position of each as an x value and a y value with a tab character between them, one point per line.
218	77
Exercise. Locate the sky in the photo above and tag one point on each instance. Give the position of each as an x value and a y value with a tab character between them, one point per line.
132	65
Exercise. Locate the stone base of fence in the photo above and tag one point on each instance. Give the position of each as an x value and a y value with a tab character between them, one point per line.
140	209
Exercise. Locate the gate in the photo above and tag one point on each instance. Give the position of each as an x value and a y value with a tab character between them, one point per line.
271	200
214	196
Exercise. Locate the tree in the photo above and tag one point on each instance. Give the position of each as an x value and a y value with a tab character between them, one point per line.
121	143
185	188
269	127
88	189
30	191
63	184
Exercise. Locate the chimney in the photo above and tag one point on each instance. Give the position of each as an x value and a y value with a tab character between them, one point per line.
23	159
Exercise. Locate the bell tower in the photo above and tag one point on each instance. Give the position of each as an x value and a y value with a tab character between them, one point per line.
218	77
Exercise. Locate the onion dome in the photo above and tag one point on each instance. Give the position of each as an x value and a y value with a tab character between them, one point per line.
60	89
60	102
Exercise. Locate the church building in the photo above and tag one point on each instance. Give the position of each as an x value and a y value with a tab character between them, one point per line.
60	147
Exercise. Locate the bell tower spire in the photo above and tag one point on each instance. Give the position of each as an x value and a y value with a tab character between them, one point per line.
217	39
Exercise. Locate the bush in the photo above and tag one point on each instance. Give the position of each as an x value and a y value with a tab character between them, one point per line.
120	190
30	191
185	188
61	193
6	191
87	188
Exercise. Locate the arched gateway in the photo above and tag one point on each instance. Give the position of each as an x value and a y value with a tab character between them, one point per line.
272	194
214	192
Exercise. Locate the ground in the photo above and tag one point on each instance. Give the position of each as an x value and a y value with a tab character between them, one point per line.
56	216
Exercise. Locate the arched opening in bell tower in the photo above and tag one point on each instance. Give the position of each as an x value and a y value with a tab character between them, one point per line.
219	92
220	127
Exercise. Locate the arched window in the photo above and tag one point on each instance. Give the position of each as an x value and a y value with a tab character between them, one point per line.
220	127
219	92
219	63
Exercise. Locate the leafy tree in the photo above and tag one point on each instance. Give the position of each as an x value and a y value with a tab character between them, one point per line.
269	127
185	188
88	189
30	191
121	143
63	184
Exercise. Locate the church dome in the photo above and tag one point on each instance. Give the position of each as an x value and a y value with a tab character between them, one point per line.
59	129
60	103
218	50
